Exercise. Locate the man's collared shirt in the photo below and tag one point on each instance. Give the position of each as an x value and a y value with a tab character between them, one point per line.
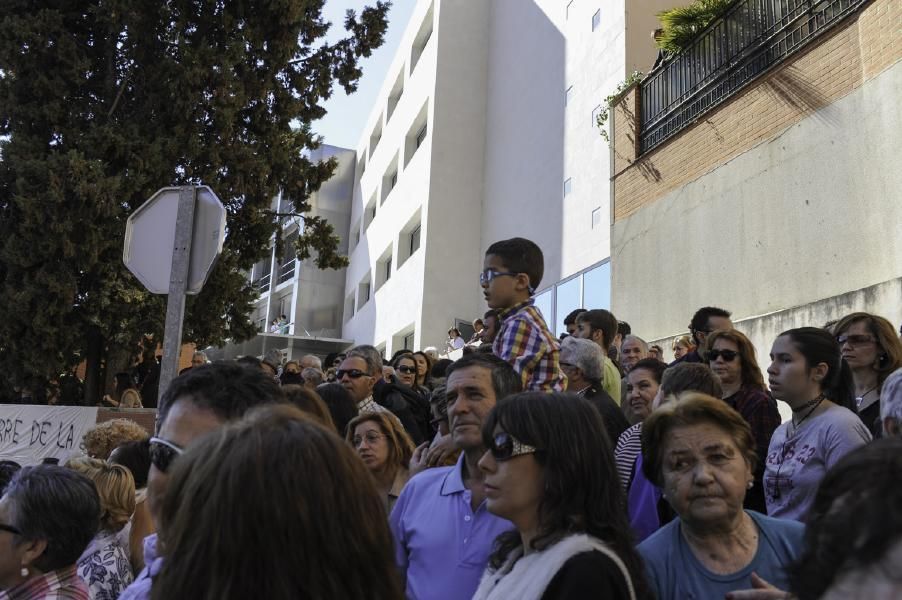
526	343
442	545
140	588
64	584
368	405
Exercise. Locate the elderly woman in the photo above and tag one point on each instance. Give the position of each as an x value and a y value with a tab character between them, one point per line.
807	372
731	356
292	516
385	448
100	440
47	517
701	453
682	346
547	470
872	350
104	564
583	362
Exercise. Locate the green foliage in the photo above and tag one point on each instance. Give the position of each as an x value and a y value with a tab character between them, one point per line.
601	120
104	102
682	24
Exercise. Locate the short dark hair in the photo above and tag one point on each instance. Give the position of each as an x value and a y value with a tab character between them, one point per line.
440	368
570	319
520	255
490	314
653	366
225	388
505	380
601	319
702	316
249	362
341	405
8	468
623	328
690	377
56	504
134	456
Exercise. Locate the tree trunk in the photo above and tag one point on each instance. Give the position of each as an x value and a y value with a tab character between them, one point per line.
93	374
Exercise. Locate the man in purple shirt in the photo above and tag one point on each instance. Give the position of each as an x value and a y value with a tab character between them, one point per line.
196	403
443	532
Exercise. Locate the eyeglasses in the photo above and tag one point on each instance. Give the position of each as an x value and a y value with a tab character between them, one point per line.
371	438
163	452
505	447
728	355
352	373
488	275
407	370
854	340
10	528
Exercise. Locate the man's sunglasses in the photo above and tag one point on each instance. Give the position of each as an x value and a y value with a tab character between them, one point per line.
505	447
163	452
352	373
407	370
728	355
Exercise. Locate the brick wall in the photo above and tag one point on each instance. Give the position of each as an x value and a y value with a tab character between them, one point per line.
833	65
145	417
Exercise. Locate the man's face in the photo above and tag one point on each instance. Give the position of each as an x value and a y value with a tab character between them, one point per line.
197	360
488	333
572	328
185	424
630	353
309	362
352	374
470	398
714	323
584	330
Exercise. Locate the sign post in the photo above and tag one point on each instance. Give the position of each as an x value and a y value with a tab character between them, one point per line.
172	242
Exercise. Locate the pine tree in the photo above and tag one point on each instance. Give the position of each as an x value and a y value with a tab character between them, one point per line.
103	102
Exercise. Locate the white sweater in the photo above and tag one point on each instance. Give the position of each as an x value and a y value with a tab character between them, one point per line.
527	577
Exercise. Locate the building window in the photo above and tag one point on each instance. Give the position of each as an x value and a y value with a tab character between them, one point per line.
414	240
421	136
596	218
596	19
388	269
393	180
568	96
568	186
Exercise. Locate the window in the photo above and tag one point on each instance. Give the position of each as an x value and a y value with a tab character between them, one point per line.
569	297
409	239
356	237
395	95
388	269
417	133
361	165
390	179
383	267
408	341
568	96
421	136
415	239
544	303
349	307
370	212
568	186
596	19
375	136
422	38
597	287
596	218
363	292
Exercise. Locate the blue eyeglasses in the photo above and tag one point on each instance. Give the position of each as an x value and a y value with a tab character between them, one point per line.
488	275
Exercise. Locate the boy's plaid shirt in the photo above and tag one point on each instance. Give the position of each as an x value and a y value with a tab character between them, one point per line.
526	343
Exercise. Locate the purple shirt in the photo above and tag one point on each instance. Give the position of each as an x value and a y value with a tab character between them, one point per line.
140	589
442	546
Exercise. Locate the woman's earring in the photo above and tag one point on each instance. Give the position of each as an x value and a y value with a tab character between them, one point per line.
751	484
24	572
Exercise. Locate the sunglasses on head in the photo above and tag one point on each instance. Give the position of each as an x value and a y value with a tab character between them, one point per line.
162	453
505	447
352	373
728	355
407	370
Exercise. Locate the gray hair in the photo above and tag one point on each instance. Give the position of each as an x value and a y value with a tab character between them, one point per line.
630	338
891	397
58	505
313	358
370	355
585	355
314	376
203	355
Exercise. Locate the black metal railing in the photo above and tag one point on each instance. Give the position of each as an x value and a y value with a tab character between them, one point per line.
747	40
262	283
286	270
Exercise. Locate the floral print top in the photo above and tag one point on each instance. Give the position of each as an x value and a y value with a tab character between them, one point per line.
104	567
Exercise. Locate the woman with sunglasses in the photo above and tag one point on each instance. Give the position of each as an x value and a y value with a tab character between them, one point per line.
549	471
731	357
871	349
406	372
385	448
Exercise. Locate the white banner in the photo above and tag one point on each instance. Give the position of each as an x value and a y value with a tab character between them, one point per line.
30	433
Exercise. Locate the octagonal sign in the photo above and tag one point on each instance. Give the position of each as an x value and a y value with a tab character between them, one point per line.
150	239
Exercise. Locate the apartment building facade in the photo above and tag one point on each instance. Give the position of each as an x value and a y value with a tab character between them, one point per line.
485	129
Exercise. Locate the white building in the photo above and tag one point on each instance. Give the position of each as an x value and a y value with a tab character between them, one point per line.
485	129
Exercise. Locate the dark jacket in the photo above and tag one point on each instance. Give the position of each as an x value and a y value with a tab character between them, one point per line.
411	408
611	415
691	357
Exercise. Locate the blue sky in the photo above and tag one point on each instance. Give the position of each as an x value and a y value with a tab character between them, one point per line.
347	115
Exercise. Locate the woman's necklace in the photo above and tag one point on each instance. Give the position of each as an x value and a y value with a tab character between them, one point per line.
860	399
813	404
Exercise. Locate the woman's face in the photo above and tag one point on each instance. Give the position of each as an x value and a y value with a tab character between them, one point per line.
728	370
421	364
513	487
641	389
406	371
371	445
788	375
705	475
11	554
860	348
679	350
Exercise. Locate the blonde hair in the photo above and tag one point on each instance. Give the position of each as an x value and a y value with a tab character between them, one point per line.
102	439
115	486
683	341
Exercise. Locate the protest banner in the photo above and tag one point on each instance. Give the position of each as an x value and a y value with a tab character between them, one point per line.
30	433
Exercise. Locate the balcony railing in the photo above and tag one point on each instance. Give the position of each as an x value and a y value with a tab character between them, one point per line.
286	271
262	284
748	39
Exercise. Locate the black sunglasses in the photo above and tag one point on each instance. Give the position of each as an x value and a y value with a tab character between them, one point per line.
352	373
408	370
10	528
162	453
728	355
505	447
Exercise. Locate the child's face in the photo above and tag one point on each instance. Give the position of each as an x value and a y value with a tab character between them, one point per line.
503	291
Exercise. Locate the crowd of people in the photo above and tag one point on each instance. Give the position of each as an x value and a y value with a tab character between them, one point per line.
531	467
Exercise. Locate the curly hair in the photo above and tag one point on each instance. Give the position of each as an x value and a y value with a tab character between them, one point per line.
103	438
115	486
